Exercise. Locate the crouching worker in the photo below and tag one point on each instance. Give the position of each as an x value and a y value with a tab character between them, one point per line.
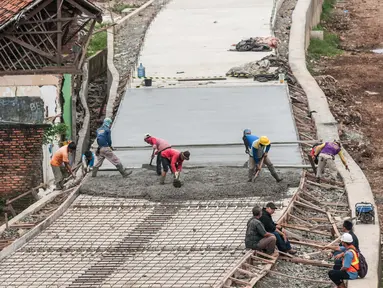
87	162
258	149
172	158
159	145
256	236
328	151
104	150
60	164
350	262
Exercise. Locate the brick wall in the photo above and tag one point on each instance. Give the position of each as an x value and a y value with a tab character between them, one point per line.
21	157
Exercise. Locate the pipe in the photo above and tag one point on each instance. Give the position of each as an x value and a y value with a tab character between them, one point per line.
120	148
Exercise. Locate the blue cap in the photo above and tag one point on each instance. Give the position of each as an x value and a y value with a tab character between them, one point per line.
246	132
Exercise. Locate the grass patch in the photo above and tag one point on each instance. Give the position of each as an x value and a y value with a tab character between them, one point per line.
327	7
326	47
119	7
319	27
98	41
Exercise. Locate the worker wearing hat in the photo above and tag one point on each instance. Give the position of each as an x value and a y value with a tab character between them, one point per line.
283	242
350	262
258	148
172	158
159	145
105	150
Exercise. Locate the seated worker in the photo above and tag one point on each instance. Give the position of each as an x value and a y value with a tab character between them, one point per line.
60	164
258	148
172	158
283	243
87	162
347	228
325	152
350	262
256	236
158	145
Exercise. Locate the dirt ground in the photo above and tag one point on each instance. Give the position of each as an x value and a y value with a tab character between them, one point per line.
355	93
199	184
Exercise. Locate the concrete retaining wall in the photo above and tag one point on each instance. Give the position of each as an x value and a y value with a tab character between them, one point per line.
113	75
305	16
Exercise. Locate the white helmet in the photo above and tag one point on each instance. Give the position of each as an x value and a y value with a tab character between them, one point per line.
147	135
346	237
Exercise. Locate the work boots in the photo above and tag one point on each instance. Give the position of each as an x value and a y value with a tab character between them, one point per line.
123	171
94	171
274	173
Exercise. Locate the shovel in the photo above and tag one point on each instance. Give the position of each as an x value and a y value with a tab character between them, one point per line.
257	173
150	166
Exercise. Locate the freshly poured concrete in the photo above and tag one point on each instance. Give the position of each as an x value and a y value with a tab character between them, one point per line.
194	37
189	116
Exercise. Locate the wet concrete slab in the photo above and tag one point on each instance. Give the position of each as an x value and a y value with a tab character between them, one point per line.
215	115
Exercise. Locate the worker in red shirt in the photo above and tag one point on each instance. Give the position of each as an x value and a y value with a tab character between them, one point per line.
172	158
159	145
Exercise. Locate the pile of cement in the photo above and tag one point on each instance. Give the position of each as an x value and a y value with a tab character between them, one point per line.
199	184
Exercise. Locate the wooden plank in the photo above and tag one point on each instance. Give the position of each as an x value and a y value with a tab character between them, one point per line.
333	223
331	182
23	225
335	204
300	278
262	259
301	220
81	8
239	281
301	199
30	47
307	262
59	33
309	207
87	41
265	255
10	201
242	271
306	229
310	244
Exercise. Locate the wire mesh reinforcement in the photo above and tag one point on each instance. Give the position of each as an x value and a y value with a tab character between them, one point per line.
118	242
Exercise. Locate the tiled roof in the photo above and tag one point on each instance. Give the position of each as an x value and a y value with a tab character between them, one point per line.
9	8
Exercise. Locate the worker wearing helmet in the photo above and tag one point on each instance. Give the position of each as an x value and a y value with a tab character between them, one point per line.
105	150
258	148
350	262
159	145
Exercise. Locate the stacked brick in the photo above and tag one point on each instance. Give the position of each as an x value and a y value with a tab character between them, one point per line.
21	157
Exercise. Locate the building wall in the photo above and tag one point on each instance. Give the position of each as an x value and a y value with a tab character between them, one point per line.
21	157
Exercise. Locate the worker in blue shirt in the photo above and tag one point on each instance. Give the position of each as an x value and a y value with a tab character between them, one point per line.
105	150
87	162
258	148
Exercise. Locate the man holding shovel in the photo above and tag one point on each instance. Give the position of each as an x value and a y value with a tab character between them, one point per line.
258	149
60	164
173	158
159	145
105	150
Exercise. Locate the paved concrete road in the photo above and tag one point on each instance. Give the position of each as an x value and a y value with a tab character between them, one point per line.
194	36
188	116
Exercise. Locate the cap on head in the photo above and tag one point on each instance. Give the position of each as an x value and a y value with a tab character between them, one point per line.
347	238
338	142
108	122
271	205
147	135
264	140
185	155
246	132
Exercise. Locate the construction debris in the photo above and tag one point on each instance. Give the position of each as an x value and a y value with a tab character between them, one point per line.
257	44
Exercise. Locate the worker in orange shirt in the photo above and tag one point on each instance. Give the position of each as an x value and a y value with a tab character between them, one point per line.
60	162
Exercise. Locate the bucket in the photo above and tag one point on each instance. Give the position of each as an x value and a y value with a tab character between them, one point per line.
148	82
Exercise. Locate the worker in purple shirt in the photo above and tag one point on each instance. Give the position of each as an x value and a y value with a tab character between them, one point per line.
328	151
159	145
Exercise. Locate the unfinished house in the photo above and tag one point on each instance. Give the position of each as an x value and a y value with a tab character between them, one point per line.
45	36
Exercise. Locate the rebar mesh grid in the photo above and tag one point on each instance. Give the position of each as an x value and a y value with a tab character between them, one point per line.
119	242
